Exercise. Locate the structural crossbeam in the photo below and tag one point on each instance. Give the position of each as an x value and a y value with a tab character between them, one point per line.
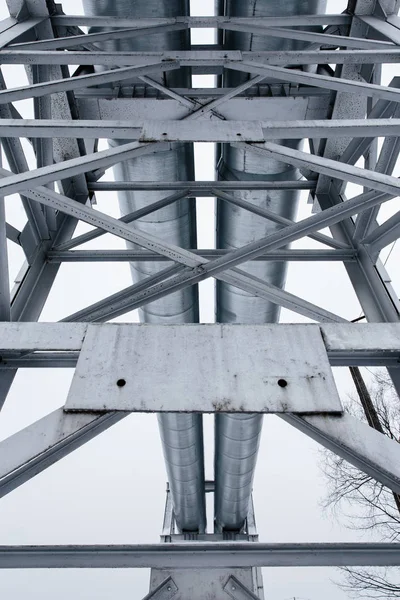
200	22
141	255
199	555
213	59
203	131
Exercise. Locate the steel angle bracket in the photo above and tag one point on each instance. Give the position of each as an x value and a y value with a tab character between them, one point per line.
238	591
204	368
166	590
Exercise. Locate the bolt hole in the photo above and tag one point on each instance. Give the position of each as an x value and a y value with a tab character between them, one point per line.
282	383
165	133
121	382
239	134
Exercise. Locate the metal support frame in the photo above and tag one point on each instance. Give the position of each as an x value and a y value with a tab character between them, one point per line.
362	111
38	446
198	555
209	131
59	433
206	61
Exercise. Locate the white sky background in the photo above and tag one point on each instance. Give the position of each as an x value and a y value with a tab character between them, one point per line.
112	489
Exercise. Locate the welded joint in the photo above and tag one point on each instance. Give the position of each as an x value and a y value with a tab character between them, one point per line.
166	590
23	14
371	250
380	12
237	591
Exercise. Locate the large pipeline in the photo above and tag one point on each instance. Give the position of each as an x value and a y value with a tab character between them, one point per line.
182	435
237	436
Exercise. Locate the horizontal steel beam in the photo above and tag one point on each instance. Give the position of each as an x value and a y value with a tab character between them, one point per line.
199	555
200	22
142	255
346	344
201	188
338	337
200	130
199	58
68	360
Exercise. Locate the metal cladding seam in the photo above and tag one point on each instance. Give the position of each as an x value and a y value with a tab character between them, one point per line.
237	436
181	434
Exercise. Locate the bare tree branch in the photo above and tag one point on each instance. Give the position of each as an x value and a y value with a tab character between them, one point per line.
359	501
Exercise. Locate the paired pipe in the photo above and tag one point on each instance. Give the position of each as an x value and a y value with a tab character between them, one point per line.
236	436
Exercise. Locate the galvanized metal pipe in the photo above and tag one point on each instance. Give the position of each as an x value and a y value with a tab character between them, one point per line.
237	437
182	435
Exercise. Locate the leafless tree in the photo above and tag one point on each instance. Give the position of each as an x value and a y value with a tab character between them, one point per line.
358	500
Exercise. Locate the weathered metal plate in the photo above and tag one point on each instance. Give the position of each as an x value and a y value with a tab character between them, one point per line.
187	131
201	584
42	336
204	368
367	337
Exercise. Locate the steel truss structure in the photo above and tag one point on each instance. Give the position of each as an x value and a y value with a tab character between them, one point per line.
342	109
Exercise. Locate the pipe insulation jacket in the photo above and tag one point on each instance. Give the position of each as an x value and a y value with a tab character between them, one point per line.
237	437
181	434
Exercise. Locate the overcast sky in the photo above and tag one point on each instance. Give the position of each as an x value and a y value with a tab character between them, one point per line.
112	489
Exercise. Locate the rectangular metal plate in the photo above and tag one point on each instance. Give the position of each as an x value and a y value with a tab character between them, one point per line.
204	368
202	131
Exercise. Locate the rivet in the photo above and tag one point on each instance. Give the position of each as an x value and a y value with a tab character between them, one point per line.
282	383
169	588
233	588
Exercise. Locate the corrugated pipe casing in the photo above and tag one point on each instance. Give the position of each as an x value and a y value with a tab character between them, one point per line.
182	435
237	437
